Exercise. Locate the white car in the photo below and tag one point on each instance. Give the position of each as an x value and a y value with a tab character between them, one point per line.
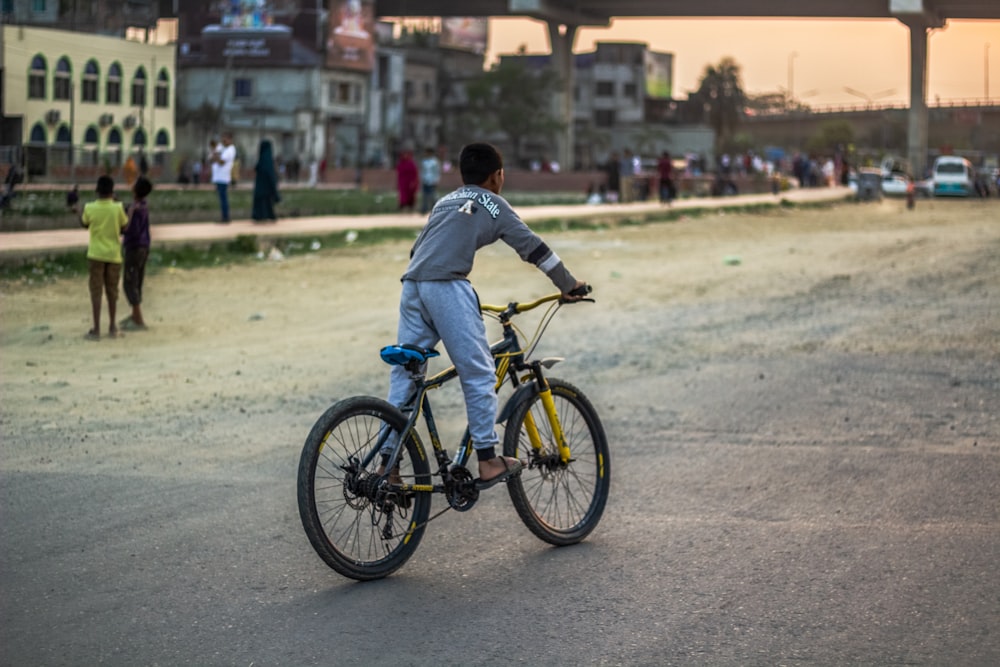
895	185
953	176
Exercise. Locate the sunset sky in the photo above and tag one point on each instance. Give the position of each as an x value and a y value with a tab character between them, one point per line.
869	56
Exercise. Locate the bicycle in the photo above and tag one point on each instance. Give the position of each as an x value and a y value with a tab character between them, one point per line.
366	525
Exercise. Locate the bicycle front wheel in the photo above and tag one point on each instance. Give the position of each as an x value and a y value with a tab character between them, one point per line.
356	526
560	502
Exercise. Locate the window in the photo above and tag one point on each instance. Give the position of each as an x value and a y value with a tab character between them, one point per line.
63	135
37	134
88	87
38	6
36	78
115	137
162	90
242	89
91	135
605	89
61	82
162	139
113	89
341	92
428	91
139	88
139	138
408	89
604	117
630	91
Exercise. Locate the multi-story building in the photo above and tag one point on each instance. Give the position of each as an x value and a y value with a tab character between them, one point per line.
621	99
84	101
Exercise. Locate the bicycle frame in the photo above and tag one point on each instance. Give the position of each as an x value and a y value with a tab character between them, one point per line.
510	364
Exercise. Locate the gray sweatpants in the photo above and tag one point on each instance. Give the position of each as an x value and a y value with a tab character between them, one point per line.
448	311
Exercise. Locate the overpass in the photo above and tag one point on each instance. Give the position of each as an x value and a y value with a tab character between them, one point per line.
564	17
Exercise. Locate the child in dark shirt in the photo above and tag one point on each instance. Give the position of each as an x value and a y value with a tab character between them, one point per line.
135	244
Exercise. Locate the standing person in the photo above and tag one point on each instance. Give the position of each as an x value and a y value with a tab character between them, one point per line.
614	180
265	184
439	304
105	218
407	180
135	245
196	172
430	176
130	171
222	172
665	171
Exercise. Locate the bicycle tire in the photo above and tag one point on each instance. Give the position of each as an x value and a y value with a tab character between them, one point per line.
560	503
356	535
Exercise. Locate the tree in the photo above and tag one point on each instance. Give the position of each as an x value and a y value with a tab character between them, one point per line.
720	95
516	101
834	136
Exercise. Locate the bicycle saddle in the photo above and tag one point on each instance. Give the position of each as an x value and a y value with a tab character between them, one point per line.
401	355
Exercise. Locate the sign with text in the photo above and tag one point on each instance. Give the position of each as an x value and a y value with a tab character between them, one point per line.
351	42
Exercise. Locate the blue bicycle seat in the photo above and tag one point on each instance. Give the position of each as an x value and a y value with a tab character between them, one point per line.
400	355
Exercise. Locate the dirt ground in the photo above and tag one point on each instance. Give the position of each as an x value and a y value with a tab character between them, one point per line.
257	350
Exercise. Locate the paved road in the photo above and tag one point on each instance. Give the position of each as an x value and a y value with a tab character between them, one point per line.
26	243
771	505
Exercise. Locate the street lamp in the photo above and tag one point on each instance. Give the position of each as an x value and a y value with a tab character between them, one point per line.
869	98
986	72
791	75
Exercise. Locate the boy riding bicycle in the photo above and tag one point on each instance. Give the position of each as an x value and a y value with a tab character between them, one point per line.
438	302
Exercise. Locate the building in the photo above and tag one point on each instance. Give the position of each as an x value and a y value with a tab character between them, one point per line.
75	103
623	93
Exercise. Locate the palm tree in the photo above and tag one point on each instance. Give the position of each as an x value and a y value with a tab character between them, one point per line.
720	94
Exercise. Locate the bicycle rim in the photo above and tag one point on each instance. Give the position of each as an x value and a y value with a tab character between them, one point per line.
560	503
355	531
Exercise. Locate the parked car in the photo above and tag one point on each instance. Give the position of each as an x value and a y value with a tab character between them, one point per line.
895	184
953	176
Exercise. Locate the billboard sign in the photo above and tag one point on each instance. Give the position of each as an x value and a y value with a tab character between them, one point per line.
351	42
464	33
659	75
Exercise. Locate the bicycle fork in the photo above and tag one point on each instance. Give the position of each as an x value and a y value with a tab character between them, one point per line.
549	405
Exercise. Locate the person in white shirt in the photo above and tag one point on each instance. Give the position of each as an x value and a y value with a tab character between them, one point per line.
430	176
222	170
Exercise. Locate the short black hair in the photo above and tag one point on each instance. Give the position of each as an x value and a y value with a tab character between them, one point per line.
142	187
105	186
478	161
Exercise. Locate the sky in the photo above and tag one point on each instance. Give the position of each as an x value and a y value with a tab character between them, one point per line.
871	57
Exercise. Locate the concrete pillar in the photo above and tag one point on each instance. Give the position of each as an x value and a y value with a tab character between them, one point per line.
561	38
917	133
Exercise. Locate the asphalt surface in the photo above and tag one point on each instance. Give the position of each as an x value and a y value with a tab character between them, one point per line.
771	505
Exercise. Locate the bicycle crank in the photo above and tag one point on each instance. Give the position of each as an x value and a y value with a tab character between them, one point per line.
461	492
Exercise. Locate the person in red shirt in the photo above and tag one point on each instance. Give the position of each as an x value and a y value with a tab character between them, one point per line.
407	181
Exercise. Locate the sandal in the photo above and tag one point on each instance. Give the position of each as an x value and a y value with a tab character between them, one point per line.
510	470
92	335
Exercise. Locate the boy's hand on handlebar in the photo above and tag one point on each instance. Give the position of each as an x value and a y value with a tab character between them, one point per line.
580	290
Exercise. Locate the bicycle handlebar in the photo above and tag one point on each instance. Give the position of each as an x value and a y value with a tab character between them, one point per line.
515	307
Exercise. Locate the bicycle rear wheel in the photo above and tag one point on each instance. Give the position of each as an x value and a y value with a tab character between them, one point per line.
353	524
561	503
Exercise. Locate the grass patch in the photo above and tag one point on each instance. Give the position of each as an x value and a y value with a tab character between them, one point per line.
249	248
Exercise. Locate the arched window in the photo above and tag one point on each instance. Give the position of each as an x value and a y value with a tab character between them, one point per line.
88	86
162	139
38	135
63	135
61	82
91	136
36	78
139	138
139	87
162	89
113	88
114	138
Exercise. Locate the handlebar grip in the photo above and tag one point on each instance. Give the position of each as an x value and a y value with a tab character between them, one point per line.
582	290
